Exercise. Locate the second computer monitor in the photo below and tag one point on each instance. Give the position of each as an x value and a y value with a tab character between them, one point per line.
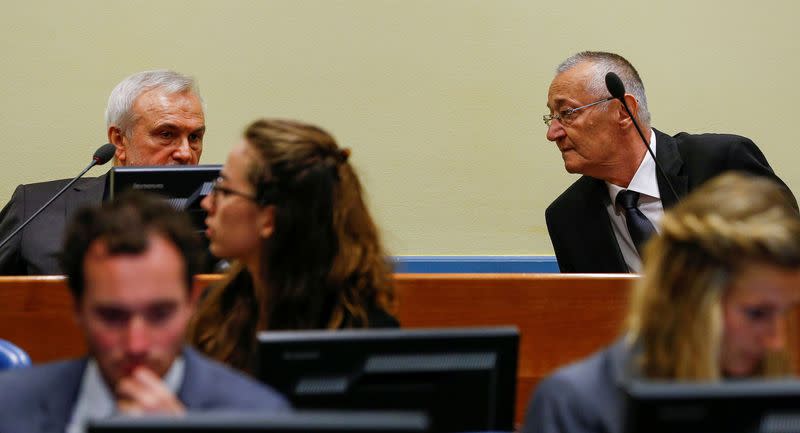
184	186
464	379
728	406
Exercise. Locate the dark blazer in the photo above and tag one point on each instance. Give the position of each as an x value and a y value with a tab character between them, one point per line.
41	399
578	223
34	250
585	397
377	317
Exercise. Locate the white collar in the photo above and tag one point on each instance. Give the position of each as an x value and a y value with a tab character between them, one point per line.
644	180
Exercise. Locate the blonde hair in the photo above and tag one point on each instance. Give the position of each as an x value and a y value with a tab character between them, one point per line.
675	316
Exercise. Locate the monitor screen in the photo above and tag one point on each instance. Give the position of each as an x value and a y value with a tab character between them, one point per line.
741	406
248	422
184	186
464	379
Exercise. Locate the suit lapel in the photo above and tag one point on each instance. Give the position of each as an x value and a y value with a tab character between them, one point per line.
616	262
84	192
599	227
57	406
191	393
670	160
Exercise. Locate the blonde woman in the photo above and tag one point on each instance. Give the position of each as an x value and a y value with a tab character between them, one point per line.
717	285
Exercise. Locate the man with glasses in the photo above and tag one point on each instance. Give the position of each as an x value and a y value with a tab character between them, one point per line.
602	221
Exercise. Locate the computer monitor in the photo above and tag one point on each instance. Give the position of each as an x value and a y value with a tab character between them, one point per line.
463	378
184	186
741	406
249	422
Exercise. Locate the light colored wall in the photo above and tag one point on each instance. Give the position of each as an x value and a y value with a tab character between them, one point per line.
441	101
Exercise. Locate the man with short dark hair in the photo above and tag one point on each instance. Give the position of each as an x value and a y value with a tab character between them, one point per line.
130	266
601	222
152	118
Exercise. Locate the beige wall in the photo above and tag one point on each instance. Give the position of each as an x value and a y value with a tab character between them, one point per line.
440	101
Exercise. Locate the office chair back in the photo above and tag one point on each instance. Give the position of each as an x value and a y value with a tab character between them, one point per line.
12	356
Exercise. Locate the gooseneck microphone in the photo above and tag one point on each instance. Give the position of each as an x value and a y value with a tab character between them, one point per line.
617	89
101	156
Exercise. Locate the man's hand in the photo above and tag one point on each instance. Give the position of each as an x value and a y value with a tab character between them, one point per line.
143	392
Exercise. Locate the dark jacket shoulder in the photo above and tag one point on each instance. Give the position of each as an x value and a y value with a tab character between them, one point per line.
712	154
39	398
33	251
50	186
377	317
575	197
36	381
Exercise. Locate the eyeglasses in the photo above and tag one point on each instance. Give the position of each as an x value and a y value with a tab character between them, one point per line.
566	116
217	189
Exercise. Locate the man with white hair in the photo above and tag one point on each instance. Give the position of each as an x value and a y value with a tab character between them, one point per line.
601	222
156	118
152	118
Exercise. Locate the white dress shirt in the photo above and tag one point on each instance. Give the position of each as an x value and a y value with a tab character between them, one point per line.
645	183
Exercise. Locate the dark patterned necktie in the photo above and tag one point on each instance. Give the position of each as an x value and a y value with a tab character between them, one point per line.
639	226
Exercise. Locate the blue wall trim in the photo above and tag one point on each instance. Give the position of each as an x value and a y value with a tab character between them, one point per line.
475	264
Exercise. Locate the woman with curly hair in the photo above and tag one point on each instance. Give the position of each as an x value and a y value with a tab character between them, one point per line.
288	210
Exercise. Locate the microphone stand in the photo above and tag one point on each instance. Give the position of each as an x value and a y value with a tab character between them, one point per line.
95	160
617	89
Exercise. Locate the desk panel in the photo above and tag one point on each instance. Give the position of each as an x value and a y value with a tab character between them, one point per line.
561	317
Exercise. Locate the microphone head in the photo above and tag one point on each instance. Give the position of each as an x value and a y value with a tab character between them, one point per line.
615	86
104	153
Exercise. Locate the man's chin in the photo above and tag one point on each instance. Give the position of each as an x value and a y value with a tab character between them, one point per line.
571	167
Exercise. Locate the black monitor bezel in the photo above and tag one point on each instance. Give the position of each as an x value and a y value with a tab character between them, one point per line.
503	340
123	178
237	421
729	406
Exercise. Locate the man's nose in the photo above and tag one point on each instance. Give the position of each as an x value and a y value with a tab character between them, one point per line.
183	153
555	130
208	202
137	339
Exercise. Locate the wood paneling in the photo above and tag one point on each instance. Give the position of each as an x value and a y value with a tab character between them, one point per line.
561	318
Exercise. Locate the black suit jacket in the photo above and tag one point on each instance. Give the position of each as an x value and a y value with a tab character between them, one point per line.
578	223
34	250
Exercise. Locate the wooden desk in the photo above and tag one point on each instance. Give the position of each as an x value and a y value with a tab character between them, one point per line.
561	318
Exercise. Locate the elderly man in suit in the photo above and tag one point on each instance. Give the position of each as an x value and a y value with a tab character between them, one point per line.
130	266
600	223
153	118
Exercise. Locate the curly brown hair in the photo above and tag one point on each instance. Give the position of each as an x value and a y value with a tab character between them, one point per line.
322	267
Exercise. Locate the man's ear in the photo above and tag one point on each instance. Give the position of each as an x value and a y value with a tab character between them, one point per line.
117	138
266	221
625	121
